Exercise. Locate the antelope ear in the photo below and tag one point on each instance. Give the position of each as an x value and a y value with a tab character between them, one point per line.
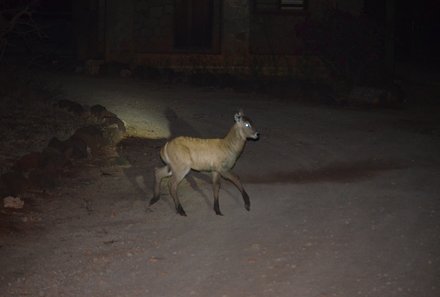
238	116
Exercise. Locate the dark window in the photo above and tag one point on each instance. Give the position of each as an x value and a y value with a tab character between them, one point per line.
193	24
292	4
277	6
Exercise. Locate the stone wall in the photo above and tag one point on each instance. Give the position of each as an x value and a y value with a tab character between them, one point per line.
275	34
153	25
352	6
142	32
235	22
119	30
89	28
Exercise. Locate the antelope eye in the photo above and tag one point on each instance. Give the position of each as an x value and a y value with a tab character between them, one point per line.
247	125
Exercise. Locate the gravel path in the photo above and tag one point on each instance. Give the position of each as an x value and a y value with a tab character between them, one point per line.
344	202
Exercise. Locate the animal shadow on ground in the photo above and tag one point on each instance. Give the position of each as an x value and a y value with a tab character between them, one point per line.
341	172
143	155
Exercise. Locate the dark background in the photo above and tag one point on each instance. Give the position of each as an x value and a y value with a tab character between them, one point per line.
416	27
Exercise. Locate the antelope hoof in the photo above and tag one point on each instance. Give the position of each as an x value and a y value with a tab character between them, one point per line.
154	200
247	201
181	211
218	212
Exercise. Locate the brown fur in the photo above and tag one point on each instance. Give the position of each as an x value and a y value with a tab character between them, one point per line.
217	156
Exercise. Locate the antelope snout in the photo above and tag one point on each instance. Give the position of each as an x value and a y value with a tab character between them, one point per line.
256	135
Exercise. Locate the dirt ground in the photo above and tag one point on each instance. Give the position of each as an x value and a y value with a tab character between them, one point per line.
344	202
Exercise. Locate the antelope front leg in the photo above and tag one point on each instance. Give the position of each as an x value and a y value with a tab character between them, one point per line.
236	181
216	188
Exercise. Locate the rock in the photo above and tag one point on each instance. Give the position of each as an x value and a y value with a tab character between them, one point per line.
72	148
112	134
13	202
71	106
102	115
115	121
107	114
97	110
99	113
93	136
57	144
114	129
76	148
119	161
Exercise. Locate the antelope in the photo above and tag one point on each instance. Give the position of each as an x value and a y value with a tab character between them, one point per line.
216	156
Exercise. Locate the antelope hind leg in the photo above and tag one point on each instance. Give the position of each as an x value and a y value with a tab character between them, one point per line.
173	183
159	174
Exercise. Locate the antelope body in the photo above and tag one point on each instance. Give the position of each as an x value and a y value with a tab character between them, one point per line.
217	156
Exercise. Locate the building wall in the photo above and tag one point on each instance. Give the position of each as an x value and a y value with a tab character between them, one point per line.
235	24
154	37
119	30
274	34
89	28
352	6
142	32
153	26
